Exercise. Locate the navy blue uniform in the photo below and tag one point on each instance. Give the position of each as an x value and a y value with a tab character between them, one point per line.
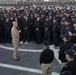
55	30
26	31
32	30
47	26
38	28
1	31
7	31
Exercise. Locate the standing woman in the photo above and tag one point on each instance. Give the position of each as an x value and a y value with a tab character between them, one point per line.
15	40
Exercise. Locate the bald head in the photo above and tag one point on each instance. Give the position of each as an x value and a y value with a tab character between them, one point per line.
15	24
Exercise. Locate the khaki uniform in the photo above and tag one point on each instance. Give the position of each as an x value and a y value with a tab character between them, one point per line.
15	41
46	69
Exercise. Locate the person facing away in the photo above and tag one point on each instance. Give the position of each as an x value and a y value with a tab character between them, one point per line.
46	59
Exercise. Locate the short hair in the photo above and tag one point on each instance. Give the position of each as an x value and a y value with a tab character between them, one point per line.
14	22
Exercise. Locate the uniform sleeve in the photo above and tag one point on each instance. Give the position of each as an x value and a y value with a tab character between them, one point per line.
61	53
52	55
41	57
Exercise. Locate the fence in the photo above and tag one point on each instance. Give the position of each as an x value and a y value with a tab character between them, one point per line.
9	3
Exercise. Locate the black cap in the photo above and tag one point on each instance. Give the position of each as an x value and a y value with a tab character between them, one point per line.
68	21
74	31
66	36
46	43
47	16
70	52
54	18
74	48
71	30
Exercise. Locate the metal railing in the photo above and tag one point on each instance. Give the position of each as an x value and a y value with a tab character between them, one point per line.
18	3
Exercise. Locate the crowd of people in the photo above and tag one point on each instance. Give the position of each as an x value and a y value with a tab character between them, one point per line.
39	24
48	25
67	56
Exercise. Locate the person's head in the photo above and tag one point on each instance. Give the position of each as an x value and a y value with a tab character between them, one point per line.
42	15
70	32
26	17
66	37
67	22
7	19
54	20
74	24
74	49
47	18
50	16
32	15
36	14
57	15
75	14
46	45
69	55
73	18
38	18
66	73
11	18
74	32
15	24
19	16
62	22
5	14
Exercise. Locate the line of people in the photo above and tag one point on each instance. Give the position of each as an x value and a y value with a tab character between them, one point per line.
67	56
39	24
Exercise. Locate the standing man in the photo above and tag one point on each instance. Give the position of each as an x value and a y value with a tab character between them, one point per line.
7	25
38	28
71	65
46	27
26	29
15	40
55	30
46	59
64	47
1	30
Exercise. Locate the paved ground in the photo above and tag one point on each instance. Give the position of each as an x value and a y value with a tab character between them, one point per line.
29	63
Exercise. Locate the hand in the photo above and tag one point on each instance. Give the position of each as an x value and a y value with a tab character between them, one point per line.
25	28
37	29
46	28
